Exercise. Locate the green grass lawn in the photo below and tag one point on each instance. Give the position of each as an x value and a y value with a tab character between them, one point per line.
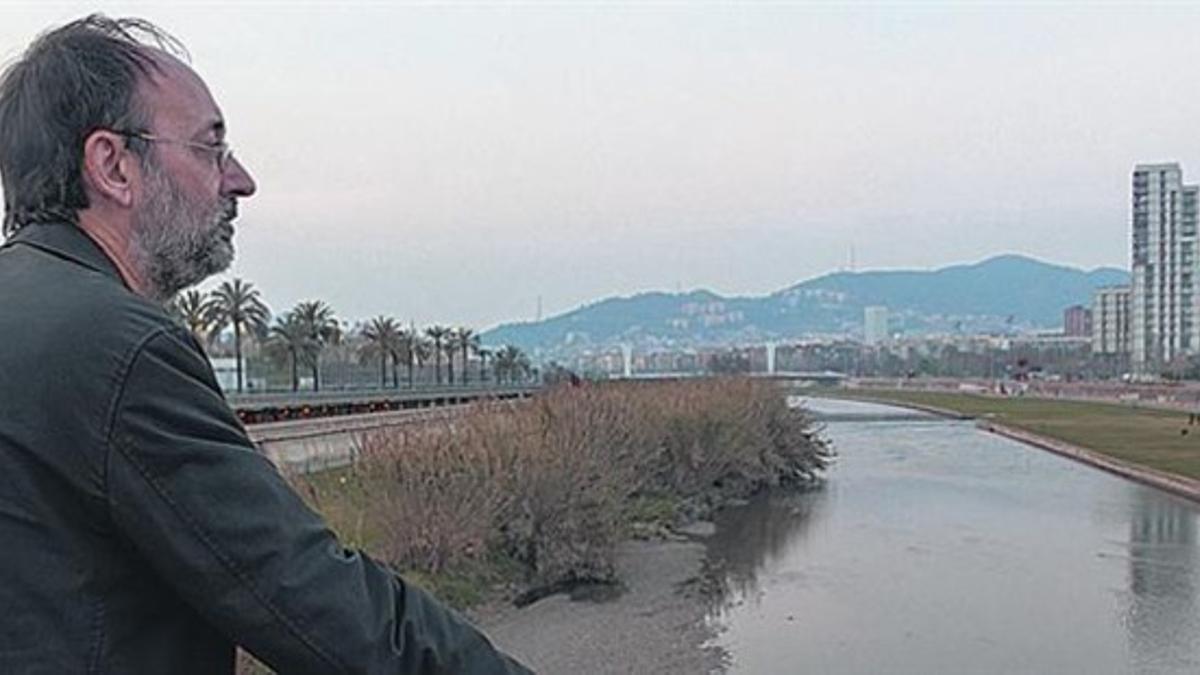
1147	437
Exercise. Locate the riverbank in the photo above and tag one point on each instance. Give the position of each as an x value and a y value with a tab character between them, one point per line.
654	623
512	509
1153	446
935	548
537	496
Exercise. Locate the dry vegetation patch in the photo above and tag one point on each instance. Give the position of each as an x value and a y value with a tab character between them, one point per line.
539	493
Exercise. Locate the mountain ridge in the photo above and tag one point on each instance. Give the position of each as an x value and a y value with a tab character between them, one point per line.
1000	293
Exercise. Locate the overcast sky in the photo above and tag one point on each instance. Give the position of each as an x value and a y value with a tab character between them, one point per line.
453	163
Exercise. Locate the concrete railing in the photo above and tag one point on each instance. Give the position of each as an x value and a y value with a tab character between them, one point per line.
328	442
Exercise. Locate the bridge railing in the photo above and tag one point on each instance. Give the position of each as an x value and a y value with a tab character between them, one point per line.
278	407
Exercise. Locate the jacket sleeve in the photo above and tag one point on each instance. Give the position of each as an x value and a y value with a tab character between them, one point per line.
217	521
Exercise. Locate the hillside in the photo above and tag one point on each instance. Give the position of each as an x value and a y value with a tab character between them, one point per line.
1004	293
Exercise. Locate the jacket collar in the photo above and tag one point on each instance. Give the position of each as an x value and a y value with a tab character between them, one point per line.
66	240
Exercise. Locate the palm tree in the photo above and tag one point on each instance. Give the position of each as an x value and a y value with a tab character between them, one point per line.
189	308
438	334
381	335
406	348
501	364
236	303
466	341
400	352
511	363
484	355
420	352
320	328
451	348
291	336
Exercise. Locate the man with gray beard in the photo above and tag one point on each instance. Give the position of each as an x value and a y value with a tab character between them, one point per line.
197	244
143	532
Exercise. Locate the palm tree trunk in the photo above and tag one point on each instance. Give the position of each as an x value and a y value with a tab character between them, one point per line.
316	367
395	371
437	363
295	372
383	358
237	352
464	364
450	368
410	372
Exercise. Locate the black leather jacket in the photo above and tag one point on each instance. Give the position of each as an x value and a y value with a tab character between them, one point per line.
140	529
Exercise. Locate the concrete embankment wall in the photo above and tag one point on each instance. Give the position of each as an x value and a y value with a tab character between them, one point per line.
933	410
1178	485
329	442
1155	396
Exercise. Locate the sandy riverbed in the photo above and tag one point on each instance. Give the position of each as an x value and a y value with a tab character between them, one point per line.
656	626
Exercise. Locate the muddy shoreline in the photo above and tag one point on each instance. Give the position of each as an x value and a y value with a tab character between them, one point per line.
656	624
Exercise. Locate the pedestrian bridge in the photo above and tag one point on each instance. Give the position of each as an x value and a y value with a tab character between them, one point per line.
828	377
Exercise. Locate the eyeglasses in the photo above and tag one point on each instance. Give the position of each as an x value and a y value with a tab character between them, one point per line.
221	149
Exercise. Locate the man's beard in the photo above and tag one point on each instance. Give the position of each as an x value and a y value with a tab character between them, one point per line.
177	242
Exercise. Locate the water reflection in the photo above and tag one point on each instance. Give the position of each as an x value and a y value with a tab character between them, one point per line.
937	548
1161	612
753	537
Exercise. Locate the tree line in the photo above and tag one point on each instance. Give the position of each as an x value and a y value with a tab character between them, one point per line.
298	337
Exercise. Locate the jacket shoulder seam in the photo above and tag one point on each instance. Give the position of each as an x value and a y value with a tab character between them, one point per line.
120	379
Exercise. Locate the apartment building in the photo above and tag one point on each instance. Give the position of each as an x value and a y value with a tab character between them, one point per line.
875	325
1163	313
1077	321
1110	320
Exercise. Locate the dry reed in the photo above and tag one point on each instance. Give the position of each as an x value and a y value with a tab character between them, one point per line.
549	483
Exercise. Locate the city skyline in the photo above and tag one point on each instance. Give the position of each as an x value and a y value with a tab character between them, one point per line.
454	164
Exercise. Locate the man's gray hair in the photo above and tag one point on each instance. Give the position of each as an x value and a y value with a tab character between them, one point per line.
70	82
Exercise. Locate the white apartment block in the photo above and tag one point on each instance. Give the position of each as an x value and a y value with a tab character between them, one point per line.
1110	320
1164	294
875	325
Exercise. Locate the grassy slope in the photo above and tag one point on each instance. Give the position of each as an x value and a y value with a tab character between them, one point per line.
1146	437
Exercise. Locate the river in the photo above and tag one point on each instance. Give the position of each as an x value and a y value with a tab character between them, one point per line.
938	548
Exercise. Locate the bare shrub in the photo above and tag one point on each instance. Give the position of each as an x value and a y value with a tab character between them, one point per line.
574	461
549	482
434	495
721	438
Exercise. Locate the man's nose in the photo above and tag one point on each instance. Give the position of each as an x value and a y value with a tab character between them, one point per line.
237	181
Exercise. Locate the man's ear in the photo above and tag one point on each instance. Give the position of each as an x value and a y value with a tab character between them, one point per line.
108	167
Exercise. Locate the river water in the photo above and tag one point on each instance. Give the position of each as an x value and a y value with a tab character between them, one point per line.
938	548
